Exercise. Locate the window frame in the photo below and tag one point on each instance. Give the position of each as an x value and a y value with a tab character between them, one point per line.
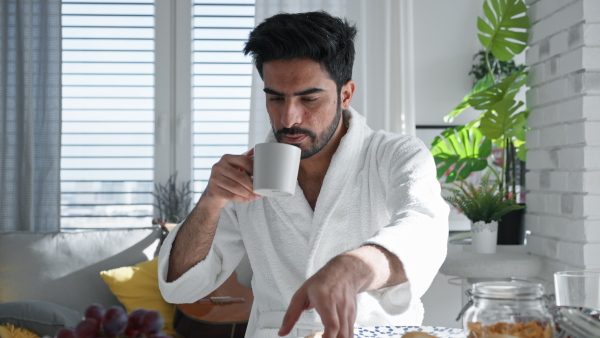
174	116
173	148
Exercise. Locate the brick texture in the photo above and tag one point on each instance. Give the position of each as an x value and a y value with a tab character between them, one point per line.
563	163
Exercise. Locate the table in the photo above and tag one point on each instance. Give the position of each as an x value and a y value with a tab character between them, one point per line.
398	331
501	265
509	262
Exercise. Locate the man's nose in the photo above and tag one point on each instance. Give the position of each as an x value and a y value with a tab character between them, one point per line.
292	114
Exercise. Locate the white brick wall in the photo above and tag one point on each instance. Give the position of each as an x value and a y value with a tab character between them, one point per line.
563	178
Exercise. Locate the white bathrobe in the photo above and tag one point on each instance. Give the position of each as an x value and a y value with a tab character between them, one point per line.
380	188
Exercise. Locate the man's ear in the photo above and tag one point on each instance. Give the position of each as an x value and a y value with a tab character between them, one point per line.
346	94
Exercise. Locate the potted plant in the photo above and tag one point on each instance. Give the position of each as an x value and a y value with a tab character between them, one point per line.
484	206
172	204
502	122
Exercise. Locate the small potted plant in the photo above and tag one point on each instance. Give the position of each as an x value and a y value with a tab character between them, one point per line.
172	203
502	120
483	205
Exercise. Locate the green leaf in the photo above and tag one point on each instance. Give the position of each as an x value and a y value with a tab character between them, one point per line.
519	132
474	123
505	89
499	143
522	152
504	121
518	143
464	104
481	84
482	203
461	150
504	30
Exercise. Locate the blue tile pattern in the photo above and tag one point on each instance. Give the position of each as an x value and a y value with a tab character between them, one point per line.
398	331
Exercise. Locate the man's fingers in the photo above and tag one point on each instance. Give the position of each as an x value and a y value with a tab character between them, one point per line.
229	188
240	161
343	313
330	319
347	316
348	322
231	196
237	181
297	306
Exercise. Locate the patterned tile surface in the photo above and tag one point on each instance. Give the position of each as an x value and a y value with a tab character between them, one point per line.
398	331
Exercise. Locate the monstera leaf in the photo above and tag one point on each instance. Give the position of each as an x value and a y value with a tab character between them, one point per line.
482	84
461	150
504	30
521	151
504	90
504	121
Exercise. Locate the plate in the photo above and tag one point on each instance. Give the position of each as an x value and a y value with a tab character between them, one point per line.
398	331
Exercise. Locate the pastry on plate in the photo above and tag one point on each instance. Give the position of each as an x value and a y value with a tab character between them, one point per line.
417	334
414	334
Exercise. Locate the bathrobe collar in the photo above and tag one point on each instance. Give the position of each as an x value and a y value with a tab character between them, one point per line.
333	187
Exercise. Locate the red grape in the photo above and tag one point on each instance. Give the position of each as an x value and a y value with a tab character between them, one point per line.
115	321
87	328
129	332
95	311
160	335
65	333
135	318
152	322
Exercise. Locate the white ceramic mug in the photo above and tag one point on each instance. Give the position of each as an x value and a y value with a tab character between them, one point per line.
276	169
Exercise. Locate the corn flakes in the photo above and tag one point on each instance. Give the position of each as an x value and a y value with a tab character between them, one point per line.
505	330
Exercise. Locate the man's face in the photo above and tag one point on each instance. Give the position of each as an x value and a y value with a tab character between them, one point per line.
303	104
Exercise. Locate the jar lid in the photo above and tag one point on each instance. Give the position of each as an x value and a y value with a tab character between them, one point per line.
507	290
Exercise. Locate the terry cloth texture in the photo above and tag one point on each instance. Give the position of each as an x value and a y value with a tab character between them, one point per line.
380	188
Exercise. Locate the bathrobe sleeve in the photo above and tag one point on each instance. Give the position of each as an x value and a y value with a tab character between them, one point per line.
223	257
418	231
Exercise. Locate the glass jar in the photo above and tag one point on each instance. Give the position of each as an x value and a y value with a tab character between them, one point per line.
515	309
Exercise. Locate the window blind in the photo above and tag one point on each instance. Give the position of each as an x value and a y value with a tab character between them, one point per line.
221	82
108	113
108	104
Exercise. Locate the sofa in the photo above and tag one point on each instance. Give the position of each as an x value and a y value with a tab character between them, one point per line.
58	274
47	280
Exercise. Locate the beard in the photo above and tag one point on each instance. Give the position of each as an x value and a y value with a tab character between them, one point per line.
318	141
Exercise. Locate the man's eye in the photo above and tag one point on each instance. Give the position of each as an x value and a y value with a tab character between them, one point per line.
310	99
276	98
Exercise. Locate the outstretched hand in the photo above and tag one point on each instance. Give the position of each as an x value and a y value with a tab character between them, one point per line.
332	290
332	293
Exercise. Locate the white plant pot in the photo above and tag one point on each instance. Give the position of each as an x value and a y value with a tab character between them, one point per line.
484	237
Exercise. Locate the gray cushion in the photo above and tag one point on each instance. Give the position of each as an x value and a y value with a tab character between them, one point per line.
41	318
64	267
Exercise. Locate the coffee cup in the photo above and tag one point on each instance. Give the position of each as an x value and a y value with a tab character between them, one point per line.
276	169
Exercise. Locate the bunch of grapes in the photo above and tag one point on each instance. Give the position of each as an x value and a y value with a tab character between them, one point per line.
115	322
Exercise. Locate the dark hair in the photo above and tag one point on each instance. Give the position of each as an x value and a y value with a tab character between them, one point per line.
319	36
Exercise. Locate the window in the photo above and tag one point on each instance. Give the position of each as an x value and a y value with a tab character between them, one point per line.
125	101
222	79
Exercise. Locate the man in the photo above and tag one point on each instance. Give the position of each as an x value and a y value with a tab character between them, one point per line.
365	233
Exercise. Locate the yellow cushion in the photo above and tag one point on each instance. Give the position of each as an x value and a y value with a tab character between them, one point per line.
137	287
10	331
